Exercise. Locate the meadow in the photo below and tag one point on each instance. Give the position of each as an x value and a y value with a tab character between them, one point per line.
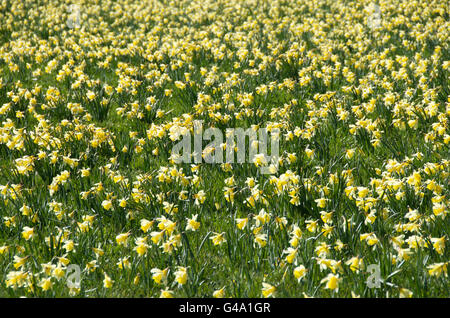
94	94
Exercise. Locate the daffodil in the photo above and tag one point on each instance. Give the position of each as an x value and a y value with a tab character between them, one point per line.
218	238
332	282
159	275
268	290
192	223
220	293
107	281
300	272
46	284
181	275
107	205
166	293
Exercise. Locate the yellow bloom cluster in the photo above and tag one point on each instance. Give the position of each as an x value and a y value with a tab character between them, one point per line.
93	99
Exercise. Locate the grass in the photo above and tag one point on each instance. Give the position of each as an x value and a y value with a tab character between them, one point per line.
307	68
